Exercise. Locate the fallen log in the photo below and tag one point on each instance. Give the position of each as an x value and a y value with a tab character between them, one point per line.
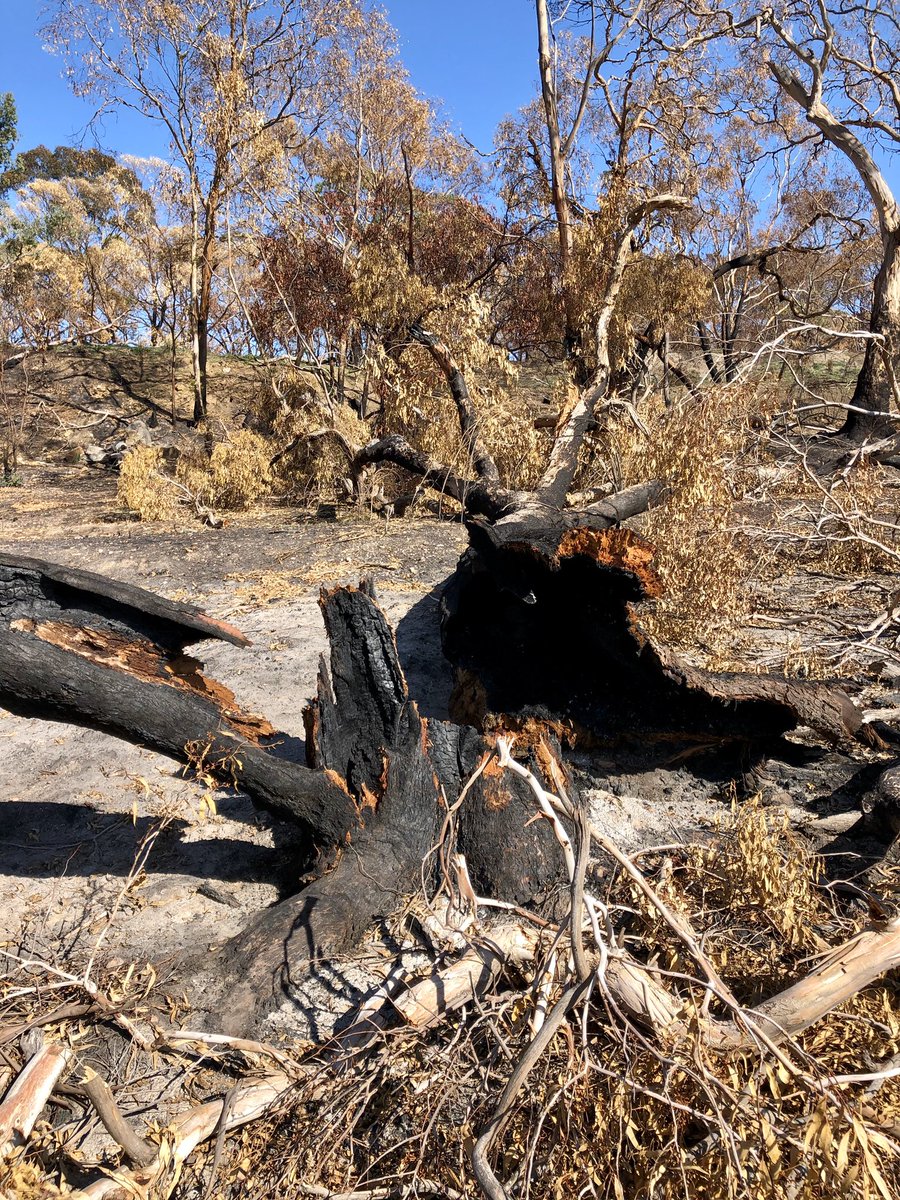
540	617
79	647
541	621
372	798
38	590
423	792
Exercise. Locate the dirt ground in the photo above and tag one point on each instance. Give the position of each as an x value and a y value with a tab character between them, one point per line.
79	804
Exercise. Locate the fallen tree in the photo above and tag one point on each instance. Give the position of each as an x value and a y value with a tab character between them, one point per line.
396	805
539	618
94	651
379	777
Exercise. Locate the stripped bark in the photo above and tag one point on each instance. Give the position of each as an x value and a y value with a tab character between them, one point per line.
30	1091
472	975
640	993
562	464
250	1100
559	152
96	1089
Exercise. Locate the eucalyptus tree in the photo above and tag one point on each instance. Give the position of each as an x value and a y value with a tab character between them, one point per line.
70	268
621	118
229	81
836	65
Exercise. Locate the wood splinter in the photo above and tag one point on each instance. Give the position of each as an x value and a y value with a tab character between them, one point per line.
29	1092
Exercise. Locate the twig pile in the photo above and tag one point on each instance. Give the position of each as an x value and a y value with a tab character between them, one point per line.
694	1020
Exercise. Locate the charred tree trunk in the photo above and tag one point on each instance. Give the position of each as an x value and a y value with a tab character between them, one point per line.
201	296
732	329
539	618
541	622
374	793
402	771
712	366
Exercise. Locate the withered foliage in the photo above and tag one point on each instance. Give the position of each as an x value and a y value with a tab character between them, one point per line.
610	1110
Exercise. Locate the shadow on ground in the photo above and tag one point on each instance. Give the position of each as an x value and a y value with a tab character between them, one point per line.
428	674
94	842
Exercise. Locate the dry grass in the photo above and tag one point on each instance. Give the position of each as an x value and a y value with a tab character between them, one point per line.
609	1112
700	449
802	662
144	486
238	472
752	897
606	1113
745	507
233	476
312	469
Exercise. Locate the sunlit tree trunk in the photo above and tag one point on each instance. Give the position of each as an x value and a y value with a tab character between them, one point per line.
558	195
877	382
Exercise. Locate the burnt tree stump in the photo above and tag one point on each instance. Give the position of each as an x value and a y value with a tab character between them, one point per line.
539	619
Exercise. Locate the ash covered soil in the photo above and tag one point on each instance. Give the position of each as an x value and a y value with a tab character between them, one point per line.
111	849
78	804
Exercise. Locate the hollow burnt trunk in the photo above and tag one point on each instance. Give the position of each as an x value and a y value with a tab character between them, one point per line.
540	619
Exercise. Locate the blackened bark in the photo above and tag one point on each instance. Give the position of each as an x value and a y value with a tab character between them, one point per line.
79	647
202	384
539	618
712	366
540	621
476	496
33	588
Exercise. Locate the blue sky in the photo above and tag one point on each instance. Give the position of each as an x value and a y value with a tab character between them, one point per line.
477	56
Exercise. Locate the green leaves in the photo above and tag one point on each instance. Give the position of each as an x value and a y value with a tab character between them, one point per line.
8	121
